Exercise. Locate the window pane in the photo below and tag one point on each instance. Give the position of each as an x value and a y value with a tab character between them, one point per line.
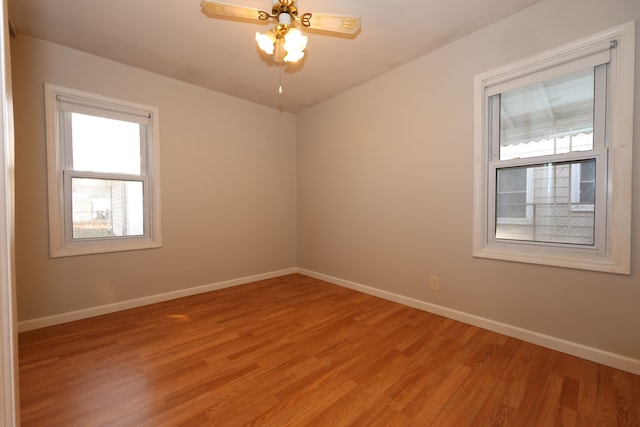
512	193
550	117
106	208
588	182
105	145
547	215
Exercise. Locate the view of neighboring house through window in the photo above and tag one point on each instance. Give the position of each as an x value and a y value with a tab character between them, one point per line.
553	156
103	158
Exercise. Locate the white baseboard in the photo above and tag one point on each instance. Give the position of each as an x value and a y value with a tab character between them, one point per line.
585	352
42	322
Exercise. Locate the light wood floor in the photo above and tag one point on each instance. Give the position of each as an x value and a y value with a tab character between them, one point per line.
296	351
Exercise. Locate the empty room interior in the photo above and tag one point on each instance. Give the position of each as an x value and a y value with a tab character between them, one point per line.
431	218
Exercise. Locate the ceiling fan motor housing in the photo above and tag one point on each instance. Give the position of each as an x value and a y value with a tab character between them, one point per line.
284	6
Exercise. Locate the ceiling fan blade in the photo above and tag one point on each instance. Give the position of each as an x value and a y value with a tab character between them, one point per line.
230	10
347	24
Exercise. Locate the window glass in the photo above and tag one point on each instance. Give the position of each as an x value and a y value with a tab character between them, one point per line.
550	217
106	208
587	172
511	193
102	144
549	117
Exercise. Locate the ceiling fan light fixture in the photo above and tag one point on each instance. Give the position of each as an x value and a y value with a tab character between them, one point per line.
266	41
295	44
285	42
293	56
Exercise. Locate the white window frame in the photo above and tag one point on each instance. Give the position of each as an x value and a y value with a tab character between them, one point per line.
612	249
60	172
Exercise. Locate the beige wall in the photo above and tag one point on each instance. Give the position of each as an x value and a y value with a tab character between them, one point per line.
385	181
228	187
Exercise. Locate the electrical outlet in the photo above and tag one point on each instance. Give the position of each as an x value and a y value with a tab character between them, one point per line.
434	283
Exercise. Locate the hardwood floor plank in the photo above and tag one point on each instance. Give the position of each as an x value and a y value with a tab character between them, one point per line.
427	405
465	404
547	404
569	394
380	414
381	373
307	402
493	411
296	351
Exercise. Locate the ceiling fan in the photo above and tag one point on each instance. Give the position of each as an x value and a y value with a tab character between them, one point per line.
284	41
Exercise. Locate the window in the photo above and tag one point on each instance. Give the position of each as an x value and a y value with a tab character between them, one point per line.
103	162
553	140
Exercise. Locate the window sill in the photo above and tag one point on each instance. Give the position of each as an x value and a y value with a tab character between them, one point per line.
582	259
87	248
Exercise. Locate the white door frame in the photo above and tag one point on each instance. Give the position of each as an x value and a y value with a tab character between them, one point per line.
9	408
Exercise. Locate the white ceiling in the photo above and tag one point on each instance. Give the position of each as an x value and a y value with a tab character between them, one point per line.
175	39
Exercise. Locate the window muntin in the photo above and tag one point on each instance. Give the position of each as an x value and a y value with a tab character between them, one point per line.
103	162
597	162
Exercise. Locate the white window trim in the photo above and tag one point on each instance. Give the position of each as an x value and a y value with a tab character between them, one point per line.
60	244
615	255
